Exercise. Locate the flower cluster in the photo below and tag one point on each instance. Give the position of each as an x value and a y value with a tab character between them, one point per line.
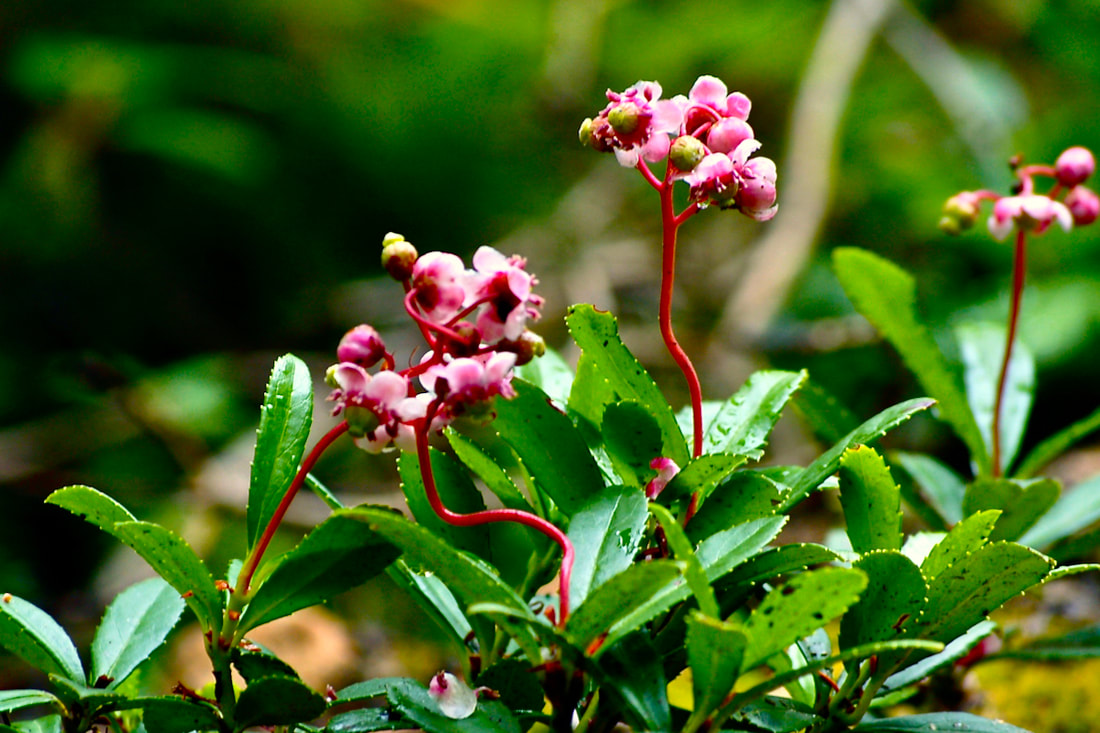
475	324
1029	211
705	136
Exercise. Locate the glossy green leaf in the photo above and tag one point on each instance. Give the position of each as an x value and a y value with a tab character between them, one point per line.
1075	510
511	678
417	706
606	534
965	538
744	496
954	651
550	447
277	700
932	722
252	665
285	419
743	423
366	720
496	478
982	348
889	606
550	373
682	550
77	694
632	675
177	715
174	560
827	463
976	585
1058	444
701	476
632	439
621	597
31	634
714	650
1020	503
778	561
940	487
91	505
336	556
18	699
456	491
136	623
871	502
886	296
597	334
775	715
434	598
804	603
823	413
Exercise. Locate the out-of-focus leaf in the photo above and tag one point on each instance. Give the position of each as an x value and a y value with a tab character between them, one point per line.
631	673
606	534
951	653
824	414
871	502
1021	503
277	700
1079	644
136	623
743	424
1075	510
932	722
714	649
31	634
941	487
1057	444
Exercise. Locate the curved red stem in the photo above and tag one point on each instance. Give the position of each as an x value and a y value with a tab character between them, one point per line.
1019	267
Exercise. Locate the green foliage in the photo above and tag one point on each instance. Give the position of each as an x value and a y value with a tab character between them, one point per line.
135	624
32	635
743	424
606	535
871	501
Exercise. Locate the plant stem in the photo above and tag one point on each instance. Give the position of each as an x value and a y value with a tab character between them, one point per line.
492	515
1019	266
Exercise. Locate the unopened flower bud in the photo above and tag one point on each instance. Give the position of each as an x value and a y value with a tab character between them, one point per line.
392	238
1074	166
726	134
330	376
398	257
586	132
360	420
526	348
361	345
959	213
455	699
686	152
1084	204
625	118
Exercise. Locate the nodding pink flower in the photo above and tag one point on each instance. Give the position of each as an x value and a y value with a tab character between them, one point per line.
467	385
1084	204
635	125
1029	212
454	698
707	104
361	345
666	469
377	407
731	180
757	195
438	281
1074	166
505	287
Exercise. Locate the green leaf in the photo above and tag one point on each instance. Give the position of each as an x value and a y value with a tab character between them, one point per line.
941	487
336	556
965	538
434	597
982	348
804	603
177	715
174	560
253	665
31	634
550	373
456	491
1058	444
744	496
714	650
724	551
1079	644
886	296
681	549
75	694
91	505
621	598
871	501
951	653
414	702
826	464
931	722
285	419
1075	510
970	589
550	447
1021	503
18	699
743	423
632	675
277	700
889	607
597	334
823	413
366	720
512	680
606	534
633	439
136	623
776	715
779	561
701	476
495	477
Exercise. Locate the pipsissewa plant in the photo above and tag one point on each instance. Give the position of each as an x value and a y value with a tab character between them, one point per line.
652	551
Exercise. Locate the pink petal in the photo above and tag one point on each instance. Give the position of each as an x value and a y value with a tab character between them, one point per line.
710	91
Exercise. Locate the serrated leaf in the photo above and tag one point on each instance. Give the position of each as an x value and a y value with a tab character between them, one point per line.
744	496
700	477
285	420
941	487
177	715
434	597
744	422
31	634
414	702
886	296
597	334
982	348
252	665
682	550
620	597
932	722
77	694
1020	503
826	464
550	373
277	700
606	534
632	675
91	505
871	502
632	439
1075	510
18	699
550	447
825	415
366	720
957	649
336	556
714	649
965	538
481	463
512	680
456	491
776	715
135	624
778	561
889	606
804	603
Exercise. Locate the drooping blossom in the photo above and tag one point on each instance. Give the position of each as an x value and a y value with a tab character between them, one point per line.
733	181
1029	212
455	699
1074	166
635	125
506	289
1084	204
715	116
361	345
666	469
438	279
377	407
468	385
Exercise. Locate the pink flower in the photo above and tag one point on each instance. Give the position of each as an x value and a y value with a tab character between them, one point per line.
361	345
1074	166
709	109
733	181
438	278
505	287
666	469
635	125
468	385
1084	204
1030	212
454	698
377	408
757	195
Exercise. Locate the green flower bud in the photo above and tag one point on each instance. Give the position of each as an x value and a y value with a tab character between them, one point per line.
398	258
686	152
625	118
360	420
959	213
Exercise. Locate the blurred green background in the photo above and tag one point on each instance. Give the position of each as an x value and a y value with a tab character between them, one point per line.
188	189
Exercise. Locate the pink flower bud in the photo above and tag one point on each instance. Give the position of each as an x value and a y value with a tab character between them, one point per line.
726	134
361	345
1084	204
455	699
526	348
756	198
1029	212
666	469
398	257
1074	166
